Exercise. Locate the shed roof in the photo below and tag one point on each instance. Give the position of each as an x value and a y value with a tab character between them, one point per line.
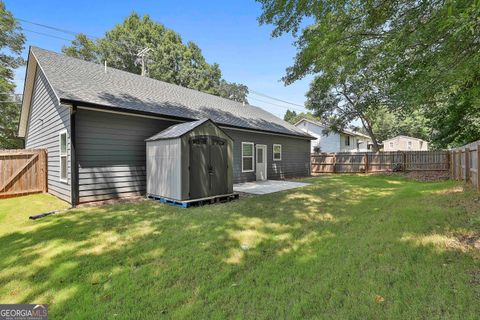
177	130
77	81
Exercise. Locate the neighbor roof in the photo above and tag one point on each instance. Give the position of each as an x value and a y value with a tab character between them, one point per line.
403	136
345	131
78	81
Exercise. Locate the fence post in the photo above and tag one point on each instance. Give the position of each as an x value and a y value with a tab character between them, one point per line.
404	159
452	164
459	160
366	162
449	165
478	167
44	170
334	162
467	164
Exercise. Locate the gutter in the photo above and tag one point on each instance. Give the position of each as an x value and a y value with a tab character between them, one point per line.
111	109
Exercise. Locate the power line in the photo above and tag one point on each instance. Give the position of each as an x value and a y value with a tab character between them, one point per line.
94	38
46	34
55	28
273	98
274	104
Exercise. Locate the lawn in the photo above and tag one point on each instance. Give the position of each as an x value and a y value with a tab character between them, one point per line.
346	247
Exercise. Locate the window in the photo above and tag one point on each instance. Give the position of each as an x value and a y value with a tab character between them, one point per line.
347	140
63	156
391	144
277	152
247	156
409	145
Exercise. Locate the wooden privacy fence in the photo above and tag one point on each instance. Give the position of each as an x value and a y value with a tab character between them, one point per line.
465	164
22	172
381	161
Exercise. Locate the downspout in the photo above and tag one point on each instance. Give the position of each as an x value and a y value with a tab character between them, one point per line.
73	157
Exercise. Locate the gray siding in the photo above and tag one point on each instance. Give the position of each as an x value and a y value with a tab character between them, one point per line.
111	154
295	155
47	118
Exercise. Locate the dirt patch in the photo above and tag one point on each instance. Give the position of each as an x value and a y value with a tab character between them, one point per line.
470	241
111	201
422	176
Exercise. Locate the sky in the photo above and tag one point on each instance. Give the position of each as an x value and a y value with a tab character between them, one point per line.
227	32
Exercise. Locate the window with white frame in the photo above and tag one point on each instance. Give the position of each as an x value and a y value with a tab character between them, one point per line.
277	152
63	156
247	156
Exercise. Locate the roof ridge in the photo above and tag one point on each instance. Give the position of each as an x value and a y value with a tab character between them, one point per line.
144	77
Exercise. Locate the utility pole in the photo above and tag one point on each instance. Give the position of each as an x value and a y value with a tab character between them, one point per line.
142	59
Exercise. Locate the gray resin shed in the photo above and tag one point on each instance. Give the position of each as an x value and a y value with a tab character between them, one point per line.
188	161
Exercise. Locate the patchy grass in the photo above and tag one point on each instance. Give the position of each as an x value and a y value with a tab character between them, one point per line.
348	246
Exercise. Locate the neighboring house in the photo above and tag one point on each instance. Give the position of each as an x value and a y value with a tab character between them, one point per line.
346	141
405	143
94	121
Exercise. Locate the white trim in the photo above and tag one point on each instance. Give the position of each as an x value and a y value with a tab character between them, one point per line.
273	152
60	133
46	77
253	156
265	159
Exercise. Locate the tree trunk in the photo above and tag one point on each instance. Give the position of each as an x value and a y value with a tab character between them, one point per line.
369	129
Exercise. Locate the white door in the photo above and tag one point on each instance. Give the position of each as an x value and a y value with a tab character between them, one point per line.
261	162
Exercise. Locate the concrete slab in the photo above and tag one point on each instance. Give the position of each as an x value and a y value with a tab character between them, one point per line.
268	186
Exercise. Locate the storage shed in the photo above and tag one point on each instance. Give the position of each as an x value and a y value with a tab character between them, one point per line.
188	161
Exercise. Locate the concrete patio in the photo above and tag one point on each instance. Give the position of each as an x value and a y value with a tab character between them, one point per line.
267	186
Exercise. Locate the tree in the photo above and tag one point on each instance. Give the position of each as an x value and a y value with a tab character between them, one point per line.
170	60
293	117
289	115
83	48
233	91
405	55
388	124
11	45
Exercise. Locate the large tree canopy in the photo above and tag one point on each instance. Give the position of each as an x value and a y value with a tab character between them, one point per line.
169	60
405	55
11	45
293	117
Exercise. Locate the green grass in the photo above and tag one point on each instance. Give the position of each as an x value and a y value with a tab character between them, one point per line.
334	249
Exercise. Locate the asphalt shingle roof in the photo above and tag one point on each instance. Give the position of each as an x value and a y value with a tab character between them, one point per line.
177	130
81	81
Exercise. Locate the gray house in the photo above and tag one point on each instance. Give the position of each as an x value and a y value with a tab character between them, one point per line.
94	121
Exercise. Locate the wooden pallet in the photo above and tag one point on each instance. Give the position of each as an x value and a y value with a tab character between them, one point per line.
195	202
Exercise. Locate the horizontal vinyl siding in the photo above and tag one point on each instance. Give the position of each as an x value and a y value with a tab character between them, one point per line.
47	118
295	156
111	154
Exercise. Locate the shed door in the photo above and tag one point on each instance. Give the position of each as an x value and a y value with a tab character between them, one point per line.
199	168
218	166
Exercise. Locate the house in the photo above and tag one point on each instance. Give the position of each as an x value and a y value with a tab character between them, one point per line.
94	120
405	143
345	141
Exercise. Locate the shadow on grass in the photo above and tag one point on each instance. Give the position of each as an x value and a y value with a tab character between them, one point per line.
324	250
